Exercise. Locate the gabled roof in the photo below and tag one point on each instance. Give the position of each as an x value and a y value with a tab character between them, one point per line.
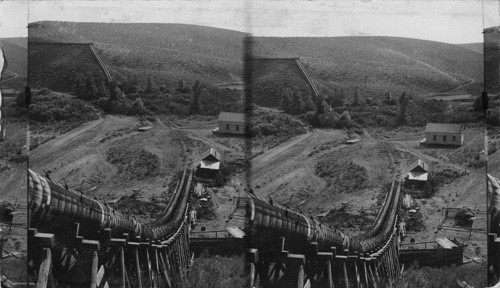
444	128
232	117
419	166
211	155
418	176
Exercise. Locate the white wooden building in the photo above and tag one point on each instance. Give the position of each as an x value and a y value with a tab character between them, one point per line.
231	123
444	134
418	175
211	161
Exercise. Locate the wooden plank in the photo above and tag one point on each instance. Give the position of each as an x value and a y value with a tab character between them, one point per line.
99	276
150	275
346	277
252	274
93	276
122	266
236	232
358	279
43	275
445	243
164	271
45	240
329	272
365	272
138	267
301	277
374	281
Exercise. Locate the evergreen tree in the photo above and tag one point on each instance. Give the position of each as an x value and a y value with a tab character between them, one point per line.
308	102
403	104
286	100
355	101
79	85
149	87
341	93
320	109
297	105
102	90
195	103
113	95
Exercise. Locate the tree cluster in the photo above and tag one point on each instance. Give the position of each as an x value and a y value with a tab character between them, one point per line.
296	102
90	87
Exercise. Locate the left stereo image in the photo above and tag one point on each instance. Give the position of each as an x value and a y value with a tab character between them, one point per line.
13	145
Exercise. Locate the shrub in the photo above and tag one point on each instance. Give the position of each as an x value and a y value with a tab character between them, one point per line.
463	217
43	92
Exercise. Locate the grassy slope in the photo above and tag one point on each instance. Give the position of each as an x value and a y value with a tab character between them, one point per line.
53	66
16	55
476	47
172	52
390	64
169	52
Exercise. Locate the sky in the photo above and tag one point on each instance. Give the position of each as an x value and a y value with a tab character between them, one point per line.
456	21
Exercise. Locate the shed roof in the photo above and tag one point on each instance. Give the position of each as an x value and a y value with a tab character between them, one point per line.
232	117
419	166
444	128
211	154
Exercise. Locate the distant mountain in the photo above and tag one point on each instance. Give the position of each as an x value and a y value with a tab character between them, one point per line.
16	54
173	52
169	52
373	64
476	47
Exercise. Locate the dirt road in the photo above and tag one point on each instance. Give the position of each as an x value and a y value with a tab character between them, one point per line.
79	156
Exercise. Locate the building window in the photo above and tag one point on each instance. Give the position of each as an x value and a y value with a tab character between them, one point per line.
444	138
434	137
454	138
237	127
227	126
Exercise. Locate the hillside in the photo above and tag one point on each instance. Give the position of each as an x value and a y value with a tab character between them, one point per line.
476	47
169	52
174	52
271	77
373	64
16	55
53	65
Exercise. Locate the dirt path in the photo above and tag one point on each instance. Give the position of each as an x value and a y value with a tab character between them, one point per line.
297	147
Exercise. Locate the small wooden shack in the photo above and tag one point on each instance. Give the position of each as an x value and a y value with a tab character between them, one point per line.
444	134
210	164
231	123
418	175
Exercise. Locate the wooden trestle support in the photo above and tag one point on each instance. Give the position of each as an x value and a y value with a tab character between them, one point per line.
340	269
493	258
109	262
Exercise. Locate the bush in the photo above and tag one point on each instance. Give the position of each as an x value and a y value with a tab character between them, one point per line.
43	92
134	163
463	217
54	109
275	124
